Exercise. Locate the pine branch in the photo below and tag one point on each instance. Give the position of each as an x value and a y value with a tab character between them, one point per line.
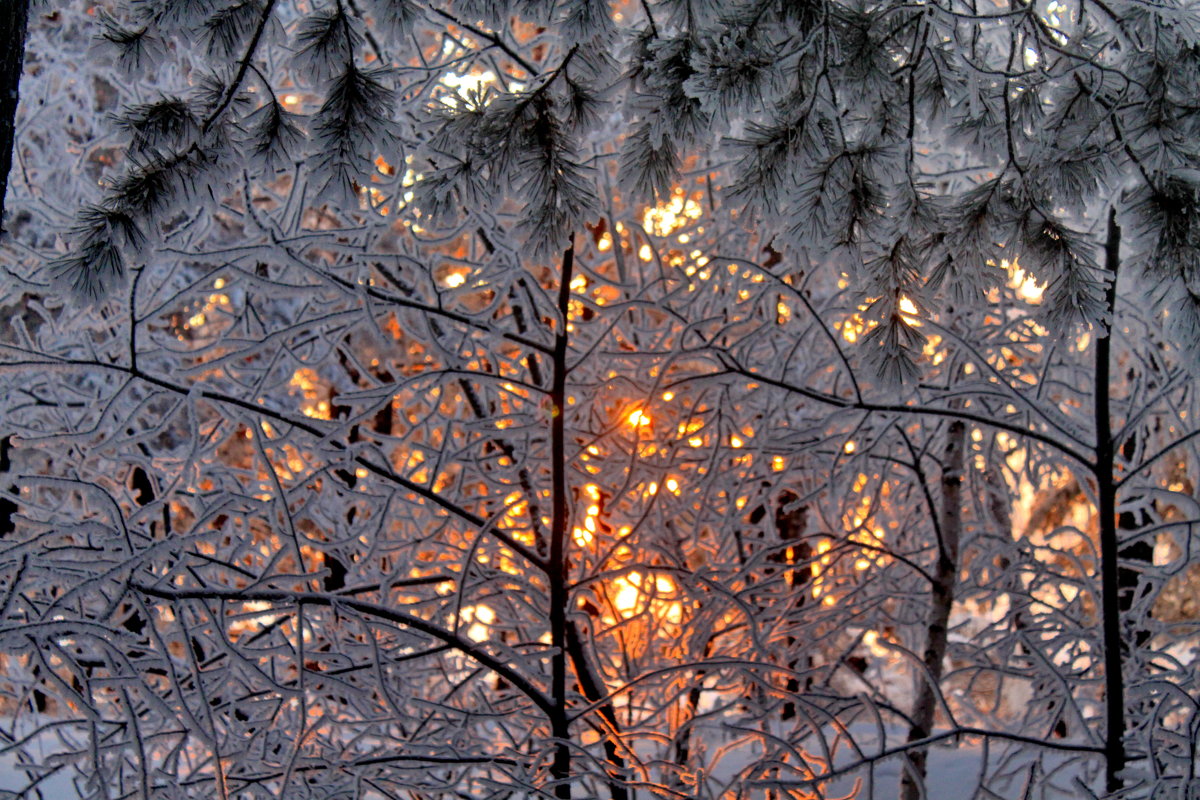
243	66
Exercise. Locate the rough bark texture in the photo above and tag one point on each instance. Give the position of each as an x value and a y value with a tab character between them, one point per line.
912	781
14	15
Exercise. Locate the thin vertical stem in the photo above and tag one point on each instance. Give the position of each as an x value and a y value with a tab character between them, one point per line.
559	567
1106	508
941	603
594	691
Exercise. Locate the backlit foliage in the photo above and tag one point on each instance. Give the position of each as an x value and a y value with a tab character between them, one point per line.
586	399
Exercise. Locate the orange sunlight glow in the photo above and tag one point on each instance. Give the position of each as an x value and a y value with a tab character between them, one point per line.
634	594
671	215
1028	288
584	536
309	384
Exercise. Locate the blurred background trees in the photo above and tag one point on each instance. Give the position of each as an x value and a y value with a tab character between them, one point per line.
581	399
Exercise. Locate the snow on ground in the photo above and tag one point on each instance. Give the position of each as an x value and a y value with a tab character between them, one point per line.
955	770
14	780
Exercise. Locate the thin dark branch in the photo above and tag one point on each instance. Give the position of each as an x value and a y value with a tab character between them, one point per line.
243	66
465	646
491	37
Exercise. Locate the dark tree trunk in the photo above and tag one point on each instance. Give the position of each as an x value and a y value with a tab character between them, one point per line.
912	781
594	691
14	15
564	636
8	508
559	572
683	736
790	526
1106	507
1134	557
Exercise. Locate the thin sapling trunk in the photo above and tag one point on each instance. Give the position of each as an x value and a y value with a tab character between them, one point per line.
949	528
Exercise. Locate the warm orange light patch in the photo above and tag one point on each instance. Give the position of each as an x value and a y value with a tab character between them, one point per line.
308	383
671	215
251	622
818	578
1026	285
480	618
871	640
931	350
585	535
854	327
634	593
